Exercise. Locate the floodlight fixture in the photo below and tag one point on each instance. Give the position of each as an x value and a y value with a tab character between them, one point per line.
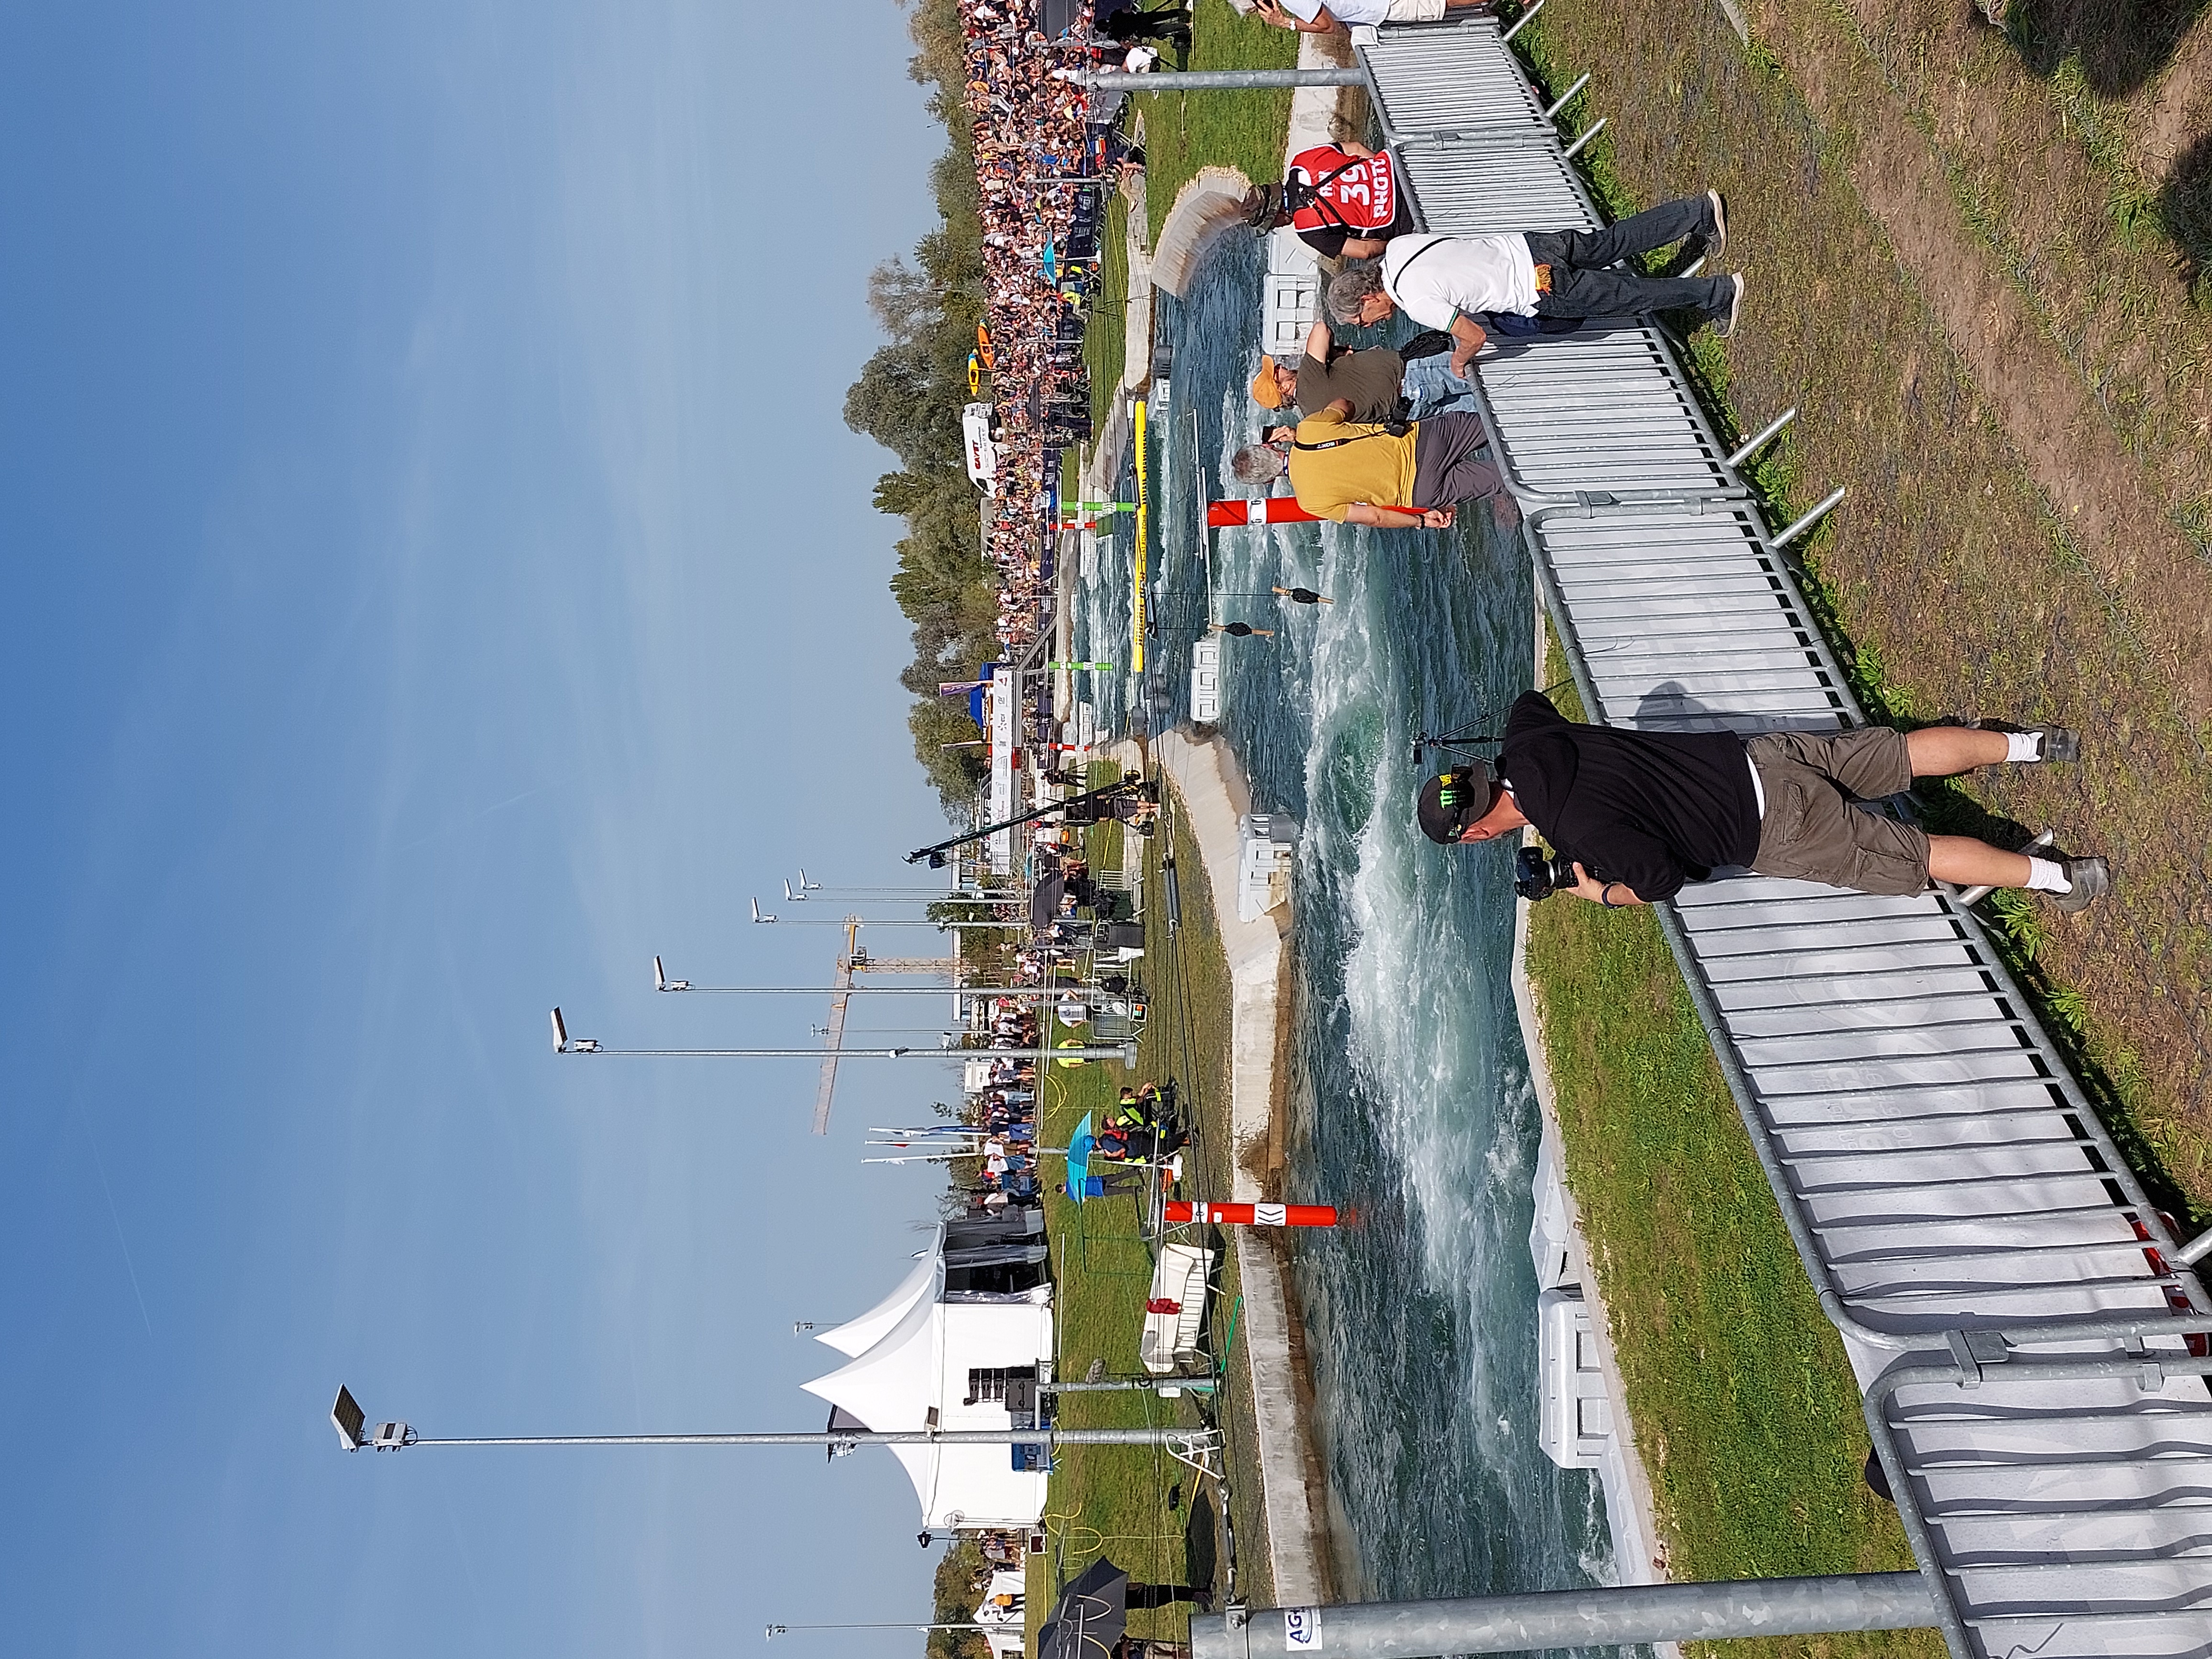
565	1044
349	1419
358	1433
758	916
662	982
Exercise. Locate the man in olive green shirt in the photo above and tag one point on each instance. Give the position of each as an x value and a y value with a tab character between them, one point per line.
1378	382
1365	472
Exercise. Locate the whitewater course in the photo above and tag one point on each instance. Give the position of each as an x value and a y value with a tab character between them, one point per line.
2007	1297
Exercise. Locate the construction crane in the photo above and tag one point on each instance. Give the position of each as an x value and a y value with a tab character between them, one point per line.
856	960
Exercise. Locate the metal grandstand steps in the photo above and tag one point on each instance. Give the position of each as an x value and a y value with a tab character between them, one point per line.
2033	1361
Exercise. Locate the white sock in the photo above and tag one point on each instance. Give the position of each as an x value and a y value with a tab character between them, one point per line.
2025	746
2047	876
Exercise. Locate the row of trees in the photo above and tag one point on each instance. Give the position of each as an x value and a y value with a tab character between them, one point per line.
909	399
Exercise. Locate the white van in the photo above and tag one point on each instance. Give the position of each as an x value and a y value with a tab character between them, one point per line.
977	422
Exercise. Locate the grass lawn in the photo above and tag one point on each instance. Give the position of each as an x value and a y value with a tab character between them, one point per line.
1105	335
1187	1039
1115	1501
1182	133
2045	134
1747	1414
1245	130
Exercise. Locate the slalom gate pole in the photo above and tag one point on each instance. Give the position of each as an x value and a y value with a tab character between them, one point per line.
1259	509
1181	1213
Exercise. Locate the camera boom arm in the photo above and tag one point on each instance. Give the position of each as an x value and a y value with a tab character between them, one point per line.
1130	782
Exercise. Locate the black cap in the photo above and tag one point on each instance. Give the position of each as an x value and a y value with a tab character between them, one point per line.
1470	786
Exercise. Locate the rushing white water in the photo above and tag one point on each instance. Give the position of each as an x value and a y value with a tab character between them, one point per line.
1410	1091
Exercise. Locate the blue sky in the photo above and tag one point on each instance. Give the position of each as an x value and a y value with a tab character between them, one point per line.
438	579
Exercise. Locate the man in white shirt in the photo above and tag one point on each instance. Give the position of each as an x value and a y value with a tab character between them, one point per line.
1448	282
1312	17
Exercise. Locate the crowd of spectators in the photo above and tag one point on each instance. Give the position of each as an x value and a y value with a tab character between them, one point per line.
1031	137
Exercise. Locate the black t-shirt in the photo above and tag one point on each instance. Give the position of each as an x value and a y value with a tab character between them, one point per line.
1651	809
1328	241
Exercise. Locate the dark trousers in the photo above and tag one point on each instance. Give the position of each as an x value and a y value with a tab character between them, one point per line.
1170	24
1159	1595
1451	461
1582	287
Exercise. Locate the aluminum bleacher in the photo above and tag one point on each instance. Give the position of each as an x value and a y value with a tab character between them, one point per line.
2031	1356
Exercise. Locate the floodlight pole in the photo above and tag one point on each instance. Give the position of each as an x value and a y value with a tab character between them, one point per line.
1156	1436
893	921
930	897
1081	993
1124	1052
774	1630
358	1433
1221	80
1612	1616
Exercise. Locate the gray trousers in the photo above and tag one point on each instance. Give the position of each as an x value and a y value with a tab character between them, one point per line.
1451	461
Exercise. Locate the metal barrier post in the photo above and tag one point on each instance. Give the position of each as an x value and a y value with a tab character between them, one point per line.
1956	1374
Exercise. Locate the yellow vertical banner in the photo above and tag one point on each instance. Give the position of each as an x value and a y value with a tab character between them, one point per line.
1137	564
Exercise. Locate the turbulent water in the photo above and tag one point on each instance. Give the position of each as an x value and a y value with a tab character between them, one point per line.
1410	1091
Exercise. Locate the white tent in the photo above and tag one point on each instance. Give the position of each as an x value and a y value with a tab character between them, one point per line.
917	1371
857	1336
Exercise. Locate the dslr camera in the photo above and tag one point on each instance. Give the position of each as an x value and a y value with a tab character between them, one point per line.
1537	876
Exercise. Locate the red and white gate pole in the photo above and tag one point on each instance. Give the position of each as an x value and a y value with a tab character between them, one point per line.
1180	1212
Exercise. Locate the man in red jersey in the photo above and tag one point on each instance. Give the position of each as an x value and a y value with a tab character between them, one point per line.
1342	199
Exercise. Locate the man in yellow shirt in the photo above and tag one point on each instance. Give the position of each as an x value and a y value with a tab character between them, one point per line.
1392	476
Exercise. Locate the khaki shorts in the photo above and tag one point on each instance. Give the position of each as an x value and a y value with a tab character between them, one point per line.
1815	830
1415	11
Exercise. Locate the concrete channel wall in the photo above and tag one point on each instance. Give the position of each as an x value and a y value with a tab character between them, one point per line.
1214	795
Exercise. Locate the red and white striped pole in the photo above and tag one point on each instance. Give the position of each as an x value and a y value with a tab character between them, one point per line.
1264	509
1251	1215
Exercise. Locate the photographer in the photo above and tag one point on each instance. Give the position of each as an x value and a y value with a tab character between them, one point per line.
1633	815
1343	200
